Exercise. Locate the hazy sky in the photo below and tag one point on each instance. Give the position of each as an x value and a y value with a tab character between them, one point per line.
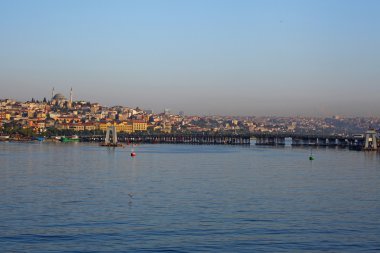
306	57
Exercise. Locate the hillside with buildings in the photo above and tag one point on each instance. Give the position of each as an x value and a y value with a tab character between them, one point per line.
60	115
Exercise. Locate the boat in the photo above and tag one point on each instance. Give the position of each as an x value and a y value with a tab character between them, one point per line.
39	138
111	145
4	137
73	138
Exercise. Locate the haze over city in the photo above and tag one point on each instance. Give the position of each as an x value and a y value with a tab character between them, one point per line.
316	58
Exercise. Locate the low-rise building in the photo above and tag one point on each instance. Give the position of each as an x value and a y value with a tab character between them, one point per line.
139	125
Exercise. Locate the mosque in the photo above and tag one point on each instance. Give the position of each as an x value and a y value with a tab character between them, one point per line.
60	100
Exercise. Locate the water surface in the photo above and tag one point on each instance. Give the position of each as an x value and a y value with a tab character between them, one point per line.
76	197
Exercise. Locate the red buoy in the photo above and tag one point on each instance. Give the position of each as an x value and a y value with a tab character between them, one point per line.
133	154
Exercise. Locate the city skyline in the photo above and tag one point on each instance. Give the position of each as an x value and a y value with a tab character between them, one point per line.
318	58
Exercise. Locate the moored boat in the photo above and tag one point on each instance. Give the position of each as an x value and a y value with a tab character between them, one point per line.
4	137
39	138
73	138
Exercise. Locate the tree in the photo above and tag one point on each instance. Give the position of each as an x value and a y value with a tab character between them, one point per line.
45	101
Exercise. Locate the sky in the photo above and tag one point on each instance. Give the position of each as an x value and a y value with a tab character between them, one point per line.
205	57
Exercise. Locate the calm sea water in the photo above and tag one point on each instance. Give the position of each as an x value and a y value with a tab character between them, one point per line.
75	197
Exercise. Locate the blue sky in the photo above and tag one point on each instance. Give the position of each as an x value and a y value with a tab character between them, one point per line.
310	57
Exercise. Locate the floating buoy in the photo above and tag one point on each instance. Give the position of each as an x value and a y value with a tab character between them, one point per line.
311	158
133	154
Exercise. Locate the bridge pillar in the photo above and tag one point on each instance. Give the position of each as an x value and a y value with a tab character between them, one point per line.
111	129
370	140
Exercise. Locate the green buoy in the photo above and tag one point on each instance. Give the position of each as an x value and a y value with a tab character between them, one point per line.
311	158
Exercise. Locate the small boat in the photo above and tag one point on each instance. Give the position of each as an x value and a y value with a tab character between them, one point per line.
73	138
111	145
4	137
39	138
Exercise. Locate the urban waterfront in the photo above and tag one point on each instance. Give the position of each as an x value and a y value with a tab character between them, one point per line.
75	197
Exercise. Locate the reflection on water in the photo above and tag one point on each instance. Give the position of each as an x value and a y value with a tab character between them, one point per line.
82	197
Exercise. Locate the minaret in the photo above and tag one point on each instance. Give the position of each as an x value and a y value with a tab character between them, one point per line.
52	94
71	95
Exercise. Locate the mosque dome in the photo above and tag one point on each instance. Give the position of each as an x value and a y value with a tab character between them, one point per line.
59	96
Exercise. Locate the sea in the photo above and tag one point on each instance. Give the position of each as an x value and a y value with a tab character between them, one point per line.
80	197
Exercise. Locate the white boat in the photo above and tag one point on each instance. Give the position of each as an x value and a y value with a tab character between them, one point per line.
4	137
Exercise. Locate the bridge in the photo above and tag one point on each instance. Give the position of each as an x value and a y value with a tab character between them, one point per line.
367	141
195	138
306	139
358	142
